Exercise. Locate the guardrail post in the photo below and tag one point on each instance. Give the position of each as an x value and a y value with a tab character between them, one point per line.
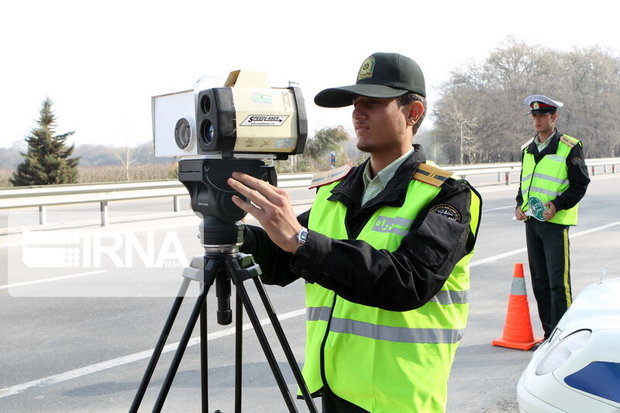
42	215
176	204
507	178
593	171
104	213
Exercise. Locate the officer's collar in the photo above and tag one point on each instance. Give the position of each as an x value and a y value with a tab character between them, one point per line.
552	147
351	186
549	139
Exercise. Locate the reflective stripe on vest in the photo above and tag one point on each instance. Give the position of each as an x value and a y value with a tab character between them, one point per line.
384	361
548	179
386	333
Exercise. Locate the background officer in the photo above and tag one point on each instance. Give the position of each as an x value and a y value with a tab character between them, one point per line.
553	170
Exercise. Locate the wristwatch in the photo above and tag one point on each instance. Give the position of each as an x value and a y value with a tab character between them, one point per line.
302	236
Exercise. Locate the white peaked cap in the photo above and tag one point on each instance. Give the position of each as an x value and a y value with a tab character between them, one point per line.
544	99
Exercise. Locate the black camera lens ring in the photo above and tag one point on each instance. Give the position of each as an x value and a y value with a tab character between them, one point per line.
207	132
183	133
205	104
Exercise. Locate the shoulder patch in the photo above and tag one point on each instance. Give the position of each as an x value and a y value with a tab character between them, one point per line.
447	211
431	175
526	144
327	177
568	141
578	161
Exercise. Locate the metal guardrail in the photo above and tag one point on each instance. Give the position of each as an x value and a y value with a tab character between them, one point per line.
505	171
44	196
51	195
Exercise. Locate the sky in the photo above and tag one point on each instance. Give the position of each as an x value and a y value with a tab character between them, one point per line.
100	62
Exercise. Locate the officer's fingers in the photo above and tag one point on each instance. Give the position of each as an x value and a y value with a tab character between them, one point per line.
277	196
248	207
270	193
252	194
251	182
246	179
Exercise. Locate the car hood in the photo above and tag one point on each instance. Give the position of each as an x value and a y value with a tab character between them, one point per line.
596	307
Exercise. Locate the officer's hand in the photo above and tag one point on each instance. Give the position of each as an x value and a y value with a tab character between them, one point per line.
549	211
271	206
520	215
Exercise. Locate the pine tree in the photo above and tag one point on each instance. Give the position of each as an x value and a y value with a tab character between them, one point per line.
47	160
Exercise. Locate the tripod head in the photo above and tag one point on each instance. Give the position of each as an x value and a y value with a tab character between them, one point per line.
205	180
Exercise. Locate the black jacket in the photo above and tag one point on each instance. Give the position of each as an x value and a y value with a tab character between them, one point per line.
401	280
577	172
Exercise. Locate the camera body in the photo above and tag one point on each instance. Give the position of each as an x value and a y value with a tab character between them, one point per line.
231	121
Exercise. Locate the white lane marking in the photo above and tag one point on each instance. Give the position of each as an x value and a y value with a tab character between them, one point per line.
497	209
44	280
94	368
497	257
521	250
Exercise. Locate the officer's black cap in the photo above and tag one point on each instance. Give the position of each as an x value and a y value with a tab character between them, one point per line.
381	75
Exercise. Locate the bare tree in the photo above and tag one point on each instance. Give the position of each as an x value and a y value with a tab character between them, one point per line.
125	156
480	115
459	123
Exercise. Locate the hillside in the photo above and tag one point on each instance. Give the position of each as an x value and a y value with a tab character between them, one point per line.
94	155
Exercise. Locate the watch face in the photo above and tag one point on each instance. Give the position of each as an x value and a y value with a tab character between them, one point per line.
302	236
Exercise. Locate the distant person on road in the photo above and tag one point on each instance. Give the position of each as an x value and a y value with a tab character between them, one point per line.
554	178
384	253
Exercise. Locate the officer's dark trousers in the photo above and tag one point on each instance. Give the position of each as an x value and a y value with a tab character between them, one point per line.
548	255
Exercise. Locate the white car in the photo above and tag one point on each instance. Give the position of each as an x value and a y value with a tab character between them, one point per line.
578	368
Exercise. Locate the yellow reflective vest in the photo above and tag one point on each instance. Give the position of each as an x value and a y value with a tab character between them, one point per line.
385	361
548	178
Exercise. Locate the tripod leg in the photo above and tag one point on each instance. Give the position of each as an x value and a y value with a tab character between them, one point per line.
161	342
235	270
204	361
238	353
180	350
209	276
285	345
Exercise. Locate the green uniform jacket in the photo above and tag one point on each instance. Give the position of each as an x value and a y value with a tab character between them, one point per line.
558	173
408	266
381	360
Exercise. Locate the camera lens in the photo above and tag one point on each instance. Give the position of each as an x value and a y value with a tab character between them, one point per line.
207	131
205	104
183	133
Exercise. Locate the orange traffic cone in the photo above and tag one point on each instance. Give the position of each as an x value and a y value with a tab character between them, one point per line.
518	332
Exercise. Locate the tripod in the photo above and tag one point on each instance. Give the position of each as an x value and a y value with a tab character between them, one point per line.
221	264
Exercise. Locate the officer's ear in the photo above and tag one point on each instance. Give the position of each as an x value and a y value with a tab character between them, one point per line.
415	110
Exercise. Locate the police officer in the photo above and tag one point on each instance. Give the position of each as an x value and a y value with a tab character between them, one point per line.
383	252
553	170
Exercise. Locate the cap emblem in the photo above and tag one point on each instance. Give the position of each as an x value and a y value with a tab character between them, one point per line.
367	69
535	105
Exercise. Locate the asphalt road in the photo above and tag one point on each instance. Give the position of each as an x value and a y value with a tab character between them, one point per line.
79	340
